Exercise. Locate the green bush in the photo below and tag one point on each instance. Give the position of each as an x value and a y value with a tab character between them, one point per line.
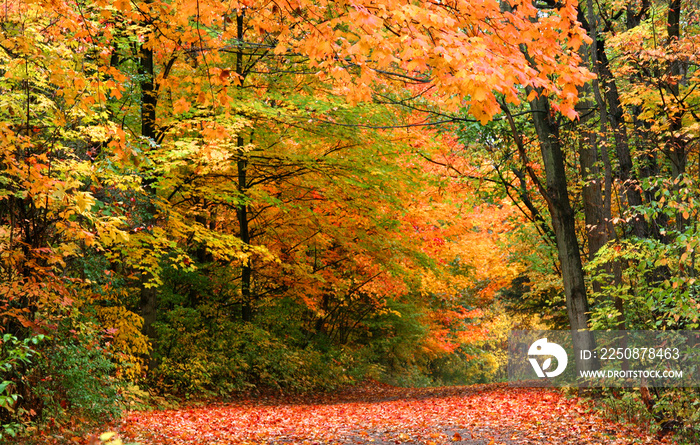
15	357
56	380
201	358
667	411
75	376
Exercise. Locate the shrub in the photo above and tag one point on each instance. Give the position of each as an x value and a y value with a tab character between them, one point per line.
75	380
198	357
15	357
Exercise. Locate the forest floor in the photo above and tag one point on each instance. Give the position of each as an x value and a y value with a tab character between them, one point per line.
380	414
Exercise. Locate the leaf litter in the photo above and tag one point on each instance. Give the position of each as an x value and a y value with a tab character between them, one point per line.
493	414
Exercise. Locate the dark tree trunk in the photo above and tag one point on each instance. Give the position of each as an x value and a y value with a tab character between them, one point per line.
242	209
563	220
148	294
148	92
675	146
612	115
244	236
592	194
597	59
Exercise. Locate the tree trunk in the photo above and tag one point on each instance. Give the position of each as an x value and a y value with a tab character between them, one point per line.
675	146
242	209
599	63
148	295
592	190
563	220
244	236
612	114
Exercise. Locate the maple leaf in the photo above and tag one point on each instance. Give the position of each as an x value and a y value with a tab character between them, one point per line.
181	105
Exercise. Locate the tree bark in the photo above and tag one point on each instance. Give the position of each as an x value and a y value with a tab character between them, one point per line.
148	298
599	63
244	236
612	114
242	209
563	220
675	146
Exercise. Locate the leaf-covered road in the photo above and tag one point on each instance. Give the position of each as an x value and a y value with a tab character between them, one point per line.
491	414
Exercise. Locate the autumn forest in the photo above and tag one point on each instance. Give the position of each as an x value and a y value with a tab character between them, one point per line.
232	200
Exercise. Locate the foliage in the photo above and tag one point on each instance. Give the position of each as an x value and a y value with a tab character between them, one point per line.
16	356
203	356
128	346
60	379
675	413
75	379
658	284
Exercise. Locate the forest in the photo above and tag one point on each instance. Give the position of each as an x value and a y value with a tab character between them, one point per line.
207	200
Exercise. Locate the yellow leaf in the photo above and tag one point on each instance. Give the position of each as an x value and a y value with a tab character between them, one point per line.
84	201
104	437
